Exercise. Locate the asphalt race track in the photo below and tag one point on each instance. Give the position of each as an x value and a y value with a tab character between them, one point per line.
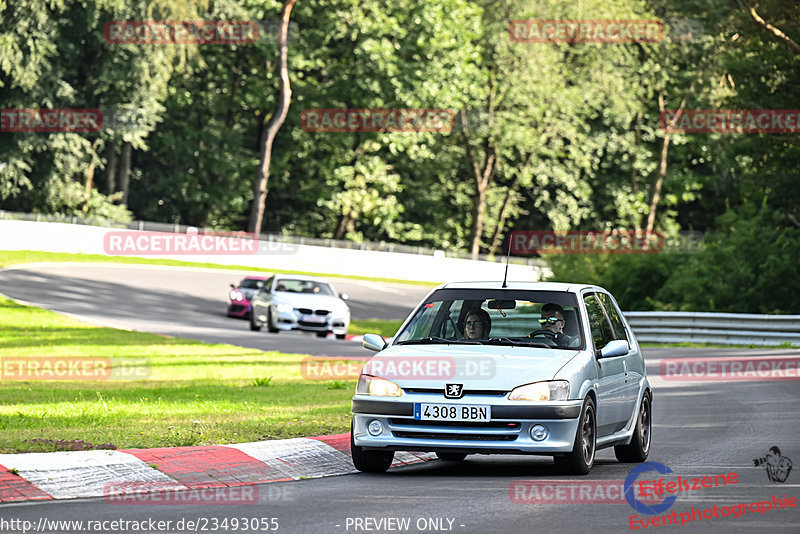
700	429
189	303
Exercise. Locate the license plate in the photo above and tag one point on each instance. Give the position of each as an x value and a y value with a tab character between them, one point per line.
452	412
313	319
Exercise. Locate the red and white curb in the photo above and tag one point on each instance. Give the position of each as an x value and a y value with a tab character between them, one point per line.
102	473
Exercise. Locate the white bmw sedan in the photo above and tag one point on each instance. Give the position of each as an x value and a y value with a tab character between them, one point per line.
519	368
296	302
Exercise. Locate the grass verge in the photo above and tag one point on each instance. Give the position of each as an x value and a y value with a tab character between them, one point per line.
189	393
386	328
12	257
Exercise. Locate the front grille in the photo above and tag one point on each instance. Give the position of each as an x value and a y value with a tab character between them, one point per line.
306	311
306	323
450	436
236	307
440	391
502	425
321	312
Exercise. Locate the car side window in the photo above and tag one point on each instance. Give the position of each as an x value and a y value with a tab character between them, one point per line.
614	316
601	330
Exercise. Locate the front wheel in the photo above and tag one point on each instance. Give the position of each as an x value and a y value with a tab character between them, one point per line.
322	334
271	329
581	459
255	326
639	447
369	461
341	336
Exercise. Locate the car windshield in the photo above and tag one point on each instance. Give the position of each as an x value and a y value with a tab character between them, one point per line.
311	287
250	283
496	317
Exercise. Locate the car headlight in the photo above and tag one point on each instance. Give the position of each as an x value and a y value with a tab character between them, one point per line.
377	387
236	295
556	390
285	308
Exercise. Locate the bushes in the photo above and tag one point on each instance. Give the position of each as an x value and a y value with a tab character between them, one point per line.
749	264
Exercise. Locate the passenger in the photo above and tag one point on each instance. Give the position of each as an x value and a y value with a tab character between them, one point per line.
477	324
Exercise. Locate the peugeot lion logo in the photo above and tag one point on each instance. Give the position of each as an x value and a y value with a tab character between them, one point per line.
454	391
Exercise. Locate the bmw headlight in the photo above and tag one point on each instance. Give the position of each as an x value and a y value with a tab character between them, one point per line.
236	295
555	390
377	387
285	308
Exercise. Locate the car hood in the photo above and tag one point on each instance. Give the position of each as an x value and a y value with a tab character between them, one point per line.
315	302
487	367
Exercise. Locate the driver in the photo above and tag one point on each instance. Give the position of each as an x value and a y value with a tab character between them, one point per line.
552	321
477	324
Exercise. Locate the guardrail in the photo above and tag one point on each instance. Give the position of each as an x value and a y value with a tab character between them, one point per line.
722	328
379	246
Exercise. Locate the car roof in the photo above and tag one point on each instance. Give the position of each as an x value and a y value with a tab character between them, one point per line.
256	278
301	277
528	286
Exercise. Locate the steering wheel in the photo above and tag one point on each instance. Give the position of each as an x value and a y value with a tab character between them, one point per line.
546	333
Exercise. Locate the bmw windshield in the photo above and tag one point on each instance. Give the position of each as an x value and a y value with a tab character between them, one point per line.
496	317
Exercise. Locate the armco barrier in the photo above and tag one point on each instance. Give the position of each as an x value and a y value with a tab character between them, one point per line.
723	328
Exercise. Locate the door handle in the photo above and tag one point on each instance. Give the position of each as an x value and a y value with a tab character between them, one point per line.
625	368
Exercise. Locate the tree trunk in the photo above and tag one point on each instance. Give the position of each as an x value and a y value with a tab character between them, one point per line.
89	177
483	177
662	171
111	168
125	172
775	32
663	160
501	219
284	99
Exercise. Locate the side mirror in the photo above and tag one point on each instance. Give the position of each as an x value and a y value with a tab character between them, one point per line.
618	347
373	342
344	296
233	286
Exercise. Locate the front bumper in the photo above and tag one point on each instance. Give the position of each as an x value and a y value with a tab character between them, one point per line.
508	431
294	321
239	308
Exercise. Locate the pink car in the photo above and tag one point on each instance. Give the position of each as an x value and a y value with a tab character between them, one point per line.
240	296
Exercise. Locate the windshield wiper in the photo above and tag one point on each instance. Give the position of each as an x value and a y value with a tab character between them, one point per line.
424	340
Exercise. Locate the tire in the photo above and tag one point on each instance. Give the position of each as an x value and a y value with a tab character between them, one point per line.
451	456
322	334
255	326
271	329
639	447
369	461
581	459
341	336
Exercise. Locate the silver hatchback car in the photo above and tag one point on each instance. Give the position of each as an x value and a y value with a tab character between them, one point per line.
518	368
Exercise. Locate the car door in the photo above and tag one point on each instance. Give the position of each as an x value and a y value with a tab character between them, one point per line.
610	371
634	365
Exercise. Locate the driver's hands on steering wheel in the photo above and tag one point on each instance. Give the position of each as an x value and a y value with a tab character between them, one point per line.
559	338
